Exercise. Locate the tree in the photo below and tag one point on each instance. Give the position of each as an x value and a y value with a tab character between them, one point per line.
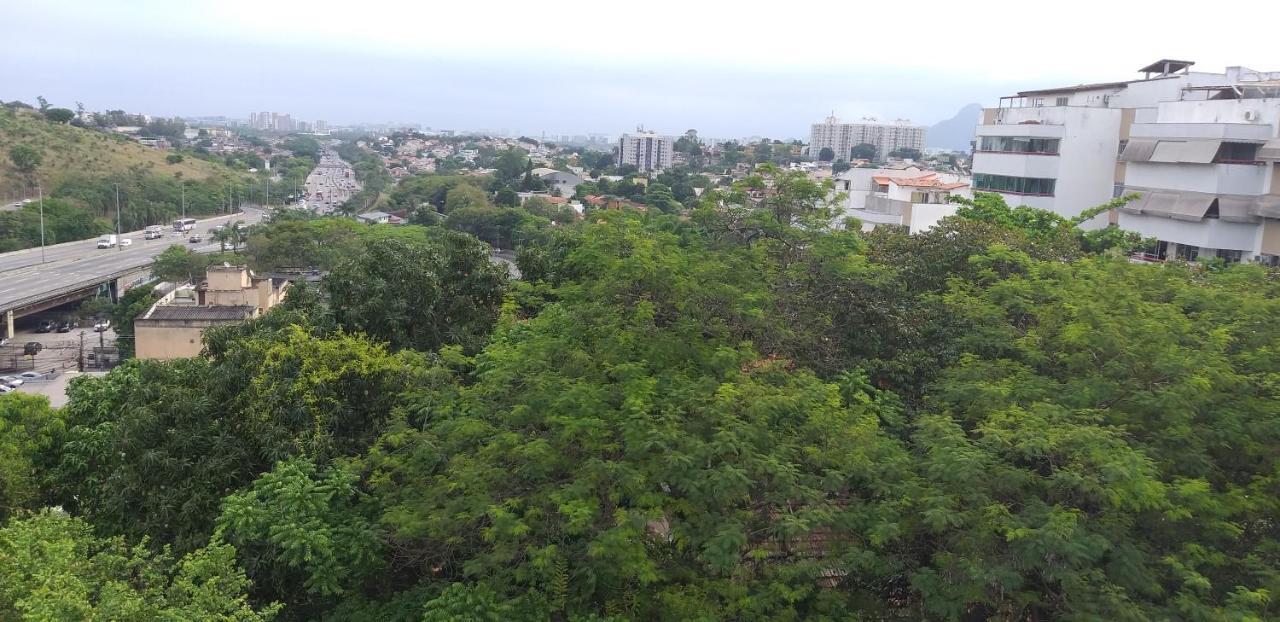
178	264
28	428
59	115
863	151
174	158
463	196
905	153
839	166
511	163
25	158
133	303
507	198
659	196
826	154
52	567
419	293
44	103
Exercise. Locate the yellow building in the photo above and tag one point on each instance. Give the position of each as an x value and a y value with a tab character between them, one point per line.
174	326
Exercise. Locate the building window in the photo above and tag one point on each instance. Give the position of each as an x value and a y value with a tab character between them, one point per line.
1237	153
1062	101
1034	186
1019	144
1123	144
1230	256
1187	253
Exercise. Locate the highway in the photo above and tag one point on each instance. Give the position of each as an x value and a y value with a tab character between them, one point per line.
330	184
23	276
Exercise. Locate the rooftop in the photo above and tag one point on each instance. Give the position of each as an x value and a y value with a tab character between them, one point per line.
185	312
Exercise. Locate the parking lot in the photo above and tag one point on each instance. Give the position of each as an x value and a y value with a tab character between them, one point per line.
59	350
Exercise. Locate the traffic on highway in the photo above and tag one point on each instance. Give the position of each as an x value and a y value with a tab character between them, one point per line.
330	184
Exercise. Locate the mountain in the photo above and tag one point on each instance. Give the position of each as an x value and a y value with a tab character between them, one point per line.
955	133
67	151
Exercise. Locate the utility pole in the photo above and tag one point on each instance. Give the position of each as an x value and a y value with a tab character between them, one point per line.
268	193
41	190
118	231
184	199
81	359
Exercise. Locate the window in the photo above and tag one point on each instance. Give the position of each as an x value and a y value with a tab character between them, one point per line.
1019	144
1123	144
1035	186
1230	256
1187	253
1062	101
1237	153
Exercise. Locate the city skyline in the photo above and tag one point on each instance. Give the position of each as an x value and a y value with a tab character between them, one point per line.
711	69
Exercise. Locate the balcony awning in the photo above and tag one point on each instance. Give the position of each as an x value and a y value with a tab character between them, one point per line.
1236	209
1267	206
1192	207
1270	150
1135	206
1160	204
1138	150
1186	151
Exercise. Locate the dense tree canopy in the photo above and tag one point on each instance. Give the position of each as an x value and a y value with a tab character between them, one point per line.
734	412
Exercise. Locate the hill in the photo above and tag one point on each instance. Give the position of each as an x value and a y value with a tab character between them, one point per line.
67	151
955	133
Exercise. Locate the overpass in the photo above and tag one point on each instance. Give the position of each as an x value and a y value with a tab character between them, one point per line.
77	270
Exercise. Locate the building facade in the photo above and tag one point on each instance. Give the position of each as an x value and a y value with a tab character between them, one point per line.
841	138
908	197
174	326
646	150
1198	148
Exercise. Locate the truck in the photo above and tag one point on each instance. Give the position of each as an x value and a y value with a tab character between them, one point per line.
154	232
107	241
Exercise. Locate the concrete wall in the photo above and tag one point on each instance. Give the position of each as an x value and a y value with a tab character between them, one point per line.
154	340
1245	179
1209	233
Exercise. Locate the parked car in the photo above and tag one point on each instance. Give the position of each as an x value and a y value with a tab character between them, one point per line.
31	375
195	239
46	326
66	326
32	348
101	326
5	389
11	381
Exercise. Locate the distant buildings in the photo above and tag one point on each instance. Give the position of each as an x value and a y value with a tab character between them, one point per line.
841	138
175	325
906	196
1200	148
646	150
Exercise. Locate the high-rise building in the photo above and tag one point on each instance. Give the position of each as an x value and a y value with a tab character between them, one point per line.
322	127
841	138
647	150
1199	148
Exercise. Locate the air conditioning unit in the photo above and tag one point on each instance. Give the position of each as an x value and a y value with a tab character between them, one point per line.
1251	115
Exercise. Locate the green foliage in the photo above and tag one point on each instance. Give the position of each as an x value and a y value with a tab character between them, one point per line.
28	427
52	567
25	158
826	154
1044	226
59	115
418	293
132	304
863	151
179	264
465	196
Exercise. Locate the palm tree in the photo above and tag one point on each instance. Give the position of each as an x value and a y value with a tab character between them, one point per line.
232	234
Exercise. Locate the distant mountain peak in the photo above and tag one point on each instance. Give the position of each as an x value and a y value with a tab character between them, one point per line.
957	132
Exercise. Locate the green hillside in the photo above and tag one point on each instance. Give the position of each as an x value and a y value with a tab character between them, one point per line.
69	152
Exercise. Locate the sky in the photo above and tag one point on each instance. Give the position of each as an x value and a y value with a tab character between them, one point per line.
727	69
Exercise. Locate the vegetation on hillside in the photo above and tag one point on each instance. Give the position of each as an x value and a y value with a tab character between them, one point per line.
736	413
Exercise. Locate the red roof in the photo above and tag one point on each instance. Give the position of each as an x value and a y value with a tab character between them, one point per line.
929	180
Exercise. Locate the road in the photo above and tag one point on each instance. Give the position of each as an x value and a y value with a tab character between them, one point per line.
331	183
22	275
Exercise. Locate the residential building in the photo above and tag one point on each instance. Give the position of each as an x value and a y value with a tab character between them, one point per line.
174	326
646	150
841	138
567	183
1199	148
907	197
379	218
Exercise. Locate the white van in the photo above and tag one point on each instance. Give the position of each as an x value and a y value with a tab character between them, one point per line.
154	232
107	241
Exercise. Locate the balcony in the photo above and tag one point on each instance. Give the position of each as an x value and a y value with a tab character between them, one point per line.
1248	132
1021	117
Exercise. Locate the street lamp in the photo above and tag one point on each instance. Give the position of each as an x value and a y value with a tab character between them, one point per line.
40	189
118	232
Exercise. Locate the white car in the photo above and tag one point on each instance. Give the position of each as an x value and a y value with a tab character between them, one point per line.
12	382
126	242
31	375
4	388
102	326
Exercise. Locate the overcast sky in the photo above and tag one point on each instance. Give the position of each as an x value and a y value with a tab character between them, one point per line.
728	69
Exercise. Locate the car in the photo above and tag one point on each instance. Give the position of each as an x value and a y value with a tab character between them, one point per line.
32	348
46	326
102	326
11	381
66	326
195	239
126	242
31	375
4	388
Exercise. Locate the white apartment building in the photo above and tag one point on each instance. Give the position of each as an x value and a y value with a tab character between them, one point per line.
841	138
1198	147
647	150
908	197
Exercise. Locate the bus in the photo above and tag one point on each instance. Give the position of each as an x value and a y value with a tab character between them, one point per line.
183	225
